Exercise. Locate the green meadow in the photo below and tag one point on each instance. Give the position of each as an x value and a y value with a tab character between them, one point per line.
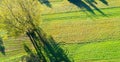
84	36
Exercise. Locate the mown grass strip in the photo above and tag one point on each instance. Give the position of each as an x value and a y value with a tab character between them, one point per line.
115	12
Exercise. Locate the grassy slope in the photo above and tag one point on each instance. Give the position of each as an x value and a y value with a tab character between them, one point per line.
87	28
79	27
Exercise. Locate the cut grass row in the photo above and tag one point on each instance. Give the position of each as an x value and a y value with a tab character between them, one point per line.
115	12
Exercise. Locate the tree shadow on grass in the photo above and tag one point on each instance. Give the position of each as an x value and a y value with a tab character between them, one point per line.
88	5
82	5
46	48
46	2
30	57
2	48
55	52
104	2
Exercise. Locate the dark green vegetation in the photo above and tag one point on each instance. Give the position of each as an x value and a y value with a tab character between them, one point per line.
2	48
88	37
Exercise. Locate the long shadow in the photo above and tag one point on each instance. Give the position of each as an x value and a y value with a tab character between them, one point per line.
56	53
94	6
2	48
82	5
46	2
105	2
46	47
87	4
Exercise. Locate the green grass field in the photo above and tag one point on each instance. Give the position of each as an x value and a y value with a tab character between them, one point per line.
106	51
79	27
87	37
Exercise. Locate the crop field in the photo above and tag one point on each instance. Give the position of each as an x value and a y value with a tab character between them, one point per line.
86	37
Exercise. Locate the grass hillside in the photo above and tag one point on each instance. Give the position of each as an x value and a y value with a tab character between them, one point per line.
80	27
88	37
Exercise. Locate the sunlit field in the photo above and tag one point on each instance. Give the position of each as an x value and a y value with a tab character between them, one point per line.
79	27
84	36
